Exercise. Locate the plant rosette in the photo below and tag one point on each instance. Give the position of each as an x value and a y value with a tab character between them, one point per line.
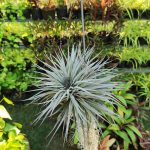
76	87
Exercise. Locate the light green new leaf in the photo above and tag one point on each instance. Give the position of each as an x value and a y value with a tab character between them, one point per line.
134	129
131	134
113	127
8	101
126	145
20	137
4	113
105	133
1	134
123	135
2	123
3	145
131	119
9	127
129	96
128	113
76	138
11	135
18	125
123	101
102	126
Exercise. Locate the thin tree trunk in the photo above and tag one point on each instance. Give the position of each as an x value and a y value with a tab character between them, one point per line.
89	136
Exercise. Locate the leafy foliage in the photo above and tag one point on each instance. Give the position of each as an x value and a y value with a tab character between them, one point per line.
137	56
143	82
15	69
10	135
135	4
123	128
13	11
133	30
13	34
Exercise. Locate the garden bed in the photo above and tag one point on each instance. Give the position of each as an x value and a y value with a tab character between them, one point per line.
36	30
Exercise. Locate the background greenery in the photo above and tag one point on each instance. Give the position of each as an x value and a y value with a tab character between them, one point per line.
37	134
22	39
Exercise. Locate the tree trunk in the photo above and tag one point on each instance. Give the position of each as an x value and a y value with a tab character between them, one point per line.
89	136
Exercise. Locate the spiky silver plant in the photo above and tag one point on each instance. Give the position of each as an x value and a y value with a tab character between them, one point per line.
74	87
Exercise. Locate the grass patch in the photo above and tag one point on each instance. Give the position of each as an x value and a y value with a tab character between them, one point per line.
36	134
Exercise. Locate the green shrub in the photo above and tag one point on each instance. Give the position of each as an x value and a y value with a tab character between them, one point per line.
122	128
15	69
142	81
11	137
135	4
13	11
12	34
136	55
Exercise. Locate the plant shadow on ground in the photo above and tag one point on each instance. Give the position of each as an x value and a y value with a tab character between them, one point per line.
37	134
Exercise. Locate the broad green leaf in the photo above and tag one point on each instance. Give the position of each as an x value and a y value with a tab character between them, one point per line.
8	101
129	96
122	100
113	127
4	113
122	108
1	134
73	126
2	123
20	137
102	126
131	134
128	113
118	120
120	112
134	129
3	145
11	135
76	138
105	133
123	135
9	127
16	145
131	102
18	125
129	120
126	145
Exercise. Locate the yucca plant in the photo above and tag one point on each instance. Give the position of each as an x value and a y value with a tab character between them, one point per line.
76	88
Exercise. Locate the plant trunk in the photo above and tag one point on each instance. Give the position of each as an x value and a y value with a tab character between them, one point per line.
89	136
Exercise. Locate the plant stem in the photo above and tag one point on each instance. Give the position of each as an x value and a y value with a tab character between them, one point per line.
89	136
83	26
